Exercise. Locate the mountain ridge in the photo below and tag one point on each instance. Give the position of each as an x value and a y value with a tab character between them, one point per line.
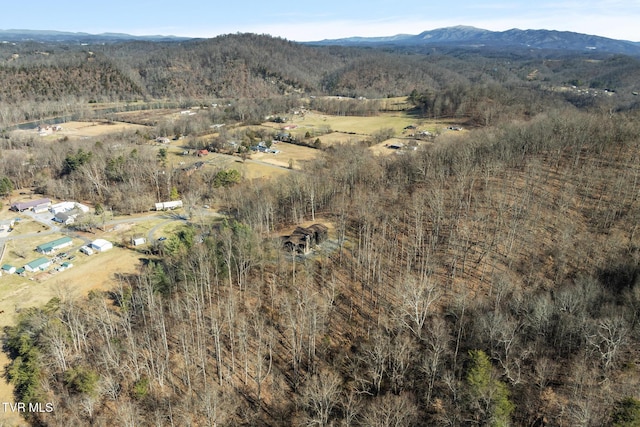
22	35
467	36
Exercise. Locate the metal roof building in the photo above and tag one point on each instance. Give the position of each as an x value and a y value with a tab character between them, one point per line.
23	206
101	245
38	264
47	248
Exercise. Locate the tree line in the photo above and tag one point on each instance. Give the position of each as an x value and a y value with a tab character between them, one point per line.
48	80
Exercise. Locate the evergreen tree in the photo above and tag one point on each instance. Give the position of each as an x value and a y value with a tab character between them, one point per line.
489	397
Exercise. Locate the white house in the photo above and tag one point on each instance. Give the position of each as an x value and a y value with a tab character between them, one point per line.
101	245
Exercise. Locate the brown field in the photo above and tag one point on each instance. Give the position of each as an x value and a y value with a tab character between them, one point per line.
317	122
80	130
298	154
252	168
144	117
351	129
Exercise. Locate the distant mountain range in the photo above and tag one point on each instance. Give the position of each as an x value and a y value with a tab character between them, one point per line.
471	37
16	36
464	37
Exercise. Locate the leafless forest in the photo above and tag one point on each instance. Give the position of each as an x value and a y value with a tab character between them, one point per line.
486	280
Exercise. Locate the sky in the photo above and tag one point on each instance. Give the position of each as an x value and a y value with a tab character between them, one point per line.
321	19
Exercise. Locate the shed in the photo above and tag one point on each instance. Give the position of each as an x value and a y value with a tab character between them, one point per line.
8	269
65	266
139	241
101	245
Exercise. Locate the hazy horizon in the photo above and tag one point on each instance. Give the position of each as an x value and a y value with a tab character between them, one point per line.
615	19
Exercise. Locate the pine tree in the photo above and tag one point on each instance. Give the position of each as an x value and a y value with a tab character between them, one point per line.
488	395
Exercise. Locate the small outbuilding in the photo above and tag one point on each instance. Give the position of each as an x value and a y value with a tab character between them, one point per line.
8	269
139	241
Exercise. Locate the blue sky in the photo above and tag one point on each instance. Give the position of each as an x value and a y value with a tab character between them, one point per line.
316	20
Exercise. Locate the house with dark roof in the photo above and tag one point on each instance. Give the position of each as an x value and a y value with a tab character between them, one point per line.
303	239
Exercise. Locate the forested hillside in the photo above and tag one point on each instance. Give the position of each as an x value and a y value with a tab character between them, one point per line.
493	281
39	80
489	278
